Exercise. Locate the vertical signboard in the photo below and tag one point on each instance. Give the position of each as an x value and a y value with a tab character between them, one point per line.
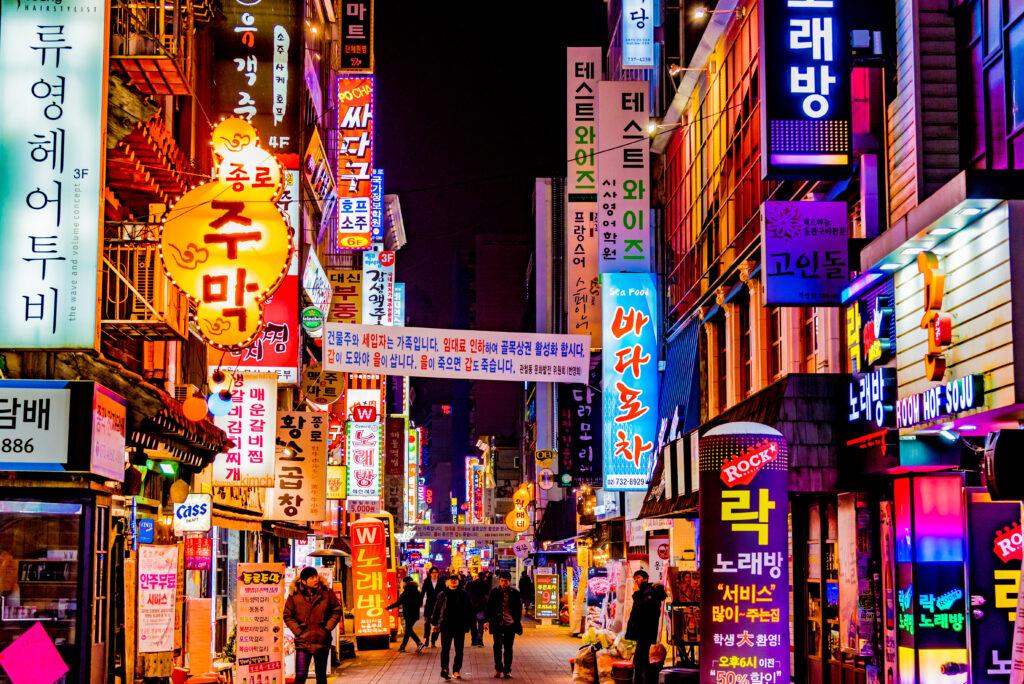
300	468
623	175
744	470
378	288
276	349
347	297
356	35
363	453
316	169
638	33
109	424
579	431
394	467
158	588
805	251
257	68
545	587
583	71
369	566
377	206
251	424
629	361
805	89
355	161
259	615
399	304
53	64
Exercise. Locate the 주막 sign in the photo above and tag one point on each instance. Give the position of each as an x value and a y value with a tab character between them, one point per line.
458	354
481	532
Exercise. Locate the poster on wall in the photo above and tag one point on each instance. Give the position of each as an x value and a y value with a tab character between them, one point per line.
251	424
157	594
805	253
300	468
744	541
546	597
259	616
53	63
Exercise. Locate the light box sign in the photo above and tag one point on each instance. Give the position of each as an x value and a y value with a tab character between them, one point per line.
629	361
871	327
638	33
257	68
347	299
377	206
623	175
355	161
315	283
276	349
317	170
456	354
583	71
259	612
363	449
300	468
337	483
399	317
744	471
805	253
194	514
579	431
53	64
356	35
805	89
378	287
226	243
368	539
941	401
873	399
251	424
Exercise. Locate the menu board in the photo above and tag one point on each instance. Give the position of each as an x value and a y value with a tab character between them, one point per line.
259	610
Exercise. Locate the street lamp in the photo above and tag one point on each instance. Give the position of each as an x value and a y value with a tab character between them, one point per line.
704	12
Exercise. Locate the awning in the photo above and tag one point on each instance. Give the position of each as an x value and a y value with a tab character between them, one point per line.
287	531
671	492
235	521
559	521
679	401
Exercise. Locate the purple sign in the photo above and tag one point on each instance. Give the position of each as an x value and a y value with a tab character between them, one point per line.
579	430
744	572
805	253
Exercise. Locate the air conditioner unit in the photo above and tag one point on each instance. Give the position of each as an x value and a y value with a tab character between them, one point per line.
183	392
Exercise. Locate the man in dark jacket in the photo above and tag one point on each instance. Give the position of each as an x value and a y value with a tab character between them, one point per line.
431	588
410	603
526	590
642	626
311	612
504	620
453	615
478	588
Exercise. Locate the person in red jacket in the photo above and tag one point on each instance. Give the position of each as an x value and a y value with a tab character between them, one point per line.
311	612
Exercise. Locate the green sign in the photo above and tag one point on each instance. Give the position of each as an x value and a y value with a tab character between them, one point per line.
546	595
312	319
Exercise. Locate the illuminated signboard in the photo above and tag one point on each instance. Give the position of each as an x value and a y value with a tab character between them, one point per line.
276	350
53	74
638	17
368	539
630	365
315	283
252	425
399	304
337	483
805	88
317	171
805	251
579	431
744	633
378	288
940	401
226	243
300	468
938	325
347	297
412	473
873	399
355	161
377	206
356	35
879	330
363	451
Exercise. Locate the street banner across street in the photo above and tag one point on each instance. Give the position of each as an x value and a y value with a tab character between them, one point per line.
458	354
481	532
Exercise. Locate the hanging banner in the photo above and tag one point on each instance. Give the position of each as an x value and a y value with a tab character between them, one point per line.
356	35
583	71
259	616
276	350
158	587
482	533
638	17
53	63
257	68
623	175
744	470
347	298
355	161
629	361
378	288
806	253
394	467
579	431
198	553
363	452
658	558
457	354
251	424
300	468
369	566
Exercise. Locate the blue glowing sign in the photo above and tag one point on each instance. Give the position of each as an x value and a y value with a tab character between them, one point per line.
638	33
805	89
377	205
147	530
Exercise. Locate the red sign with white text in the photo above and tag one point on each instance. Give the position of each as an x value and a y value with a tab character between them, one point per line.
743	468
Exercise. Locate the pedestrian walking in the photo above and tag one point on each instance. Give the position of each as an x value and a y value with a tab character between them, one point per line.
526	590
642	626
409	601
504	621
452	617
311	612
478	588
431	588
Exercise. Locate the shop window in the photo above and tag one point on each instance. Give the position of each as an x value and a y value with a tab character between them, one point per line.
743	306
996	88
1016	42
809	338
774	343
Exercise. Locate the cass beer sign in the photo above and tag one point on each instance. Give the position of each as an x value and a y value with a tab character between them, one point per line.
226	243
195	514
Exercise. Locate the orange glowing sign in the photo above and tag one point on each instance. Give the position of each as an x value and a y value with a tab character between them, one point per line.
939	326
369	569
226	243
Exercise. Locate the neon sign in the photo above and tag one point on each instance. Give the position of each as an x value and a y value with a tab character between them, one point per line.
946	399
877	346
938	324
873	398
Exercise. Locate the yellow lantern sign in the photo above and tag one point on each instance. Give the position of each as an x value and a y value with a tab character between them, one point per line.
518	519
226	243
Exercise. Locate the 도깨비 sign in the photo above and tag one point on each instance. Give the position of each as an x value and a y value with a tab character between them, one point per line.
457	354
805	251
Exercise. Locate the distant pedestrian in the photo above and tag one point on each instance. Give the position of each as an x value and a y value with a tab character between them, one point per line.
452	617
431	588
410	603
311	612
505	621
478	588
525	590
642	626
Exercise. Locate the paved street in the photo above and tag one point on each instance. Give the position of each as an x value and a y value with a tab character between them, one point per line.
541	656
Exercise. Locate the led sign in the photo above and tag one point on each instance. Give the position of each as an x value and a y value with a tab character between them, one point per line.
939	326
876	343
873	398
942	400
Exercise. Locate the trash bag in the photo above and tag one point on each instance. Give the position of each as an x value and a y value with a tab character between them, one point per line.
585	669
605	660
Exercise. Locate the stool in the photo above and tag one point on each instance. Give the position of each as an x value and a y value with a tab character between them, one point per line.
679	675
622	671
572	665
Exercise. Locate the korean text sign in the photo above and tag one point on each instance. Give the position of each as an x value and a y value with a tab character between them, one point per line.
356	35
744	470
363	449
276	350
638	18
457	354
805	88
355	161
629	361
579	430
158	587
378	288
300	468
53	63
545	587
252	425
259	610
257	68
805	253
583	71
623	174
369	566
347	299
